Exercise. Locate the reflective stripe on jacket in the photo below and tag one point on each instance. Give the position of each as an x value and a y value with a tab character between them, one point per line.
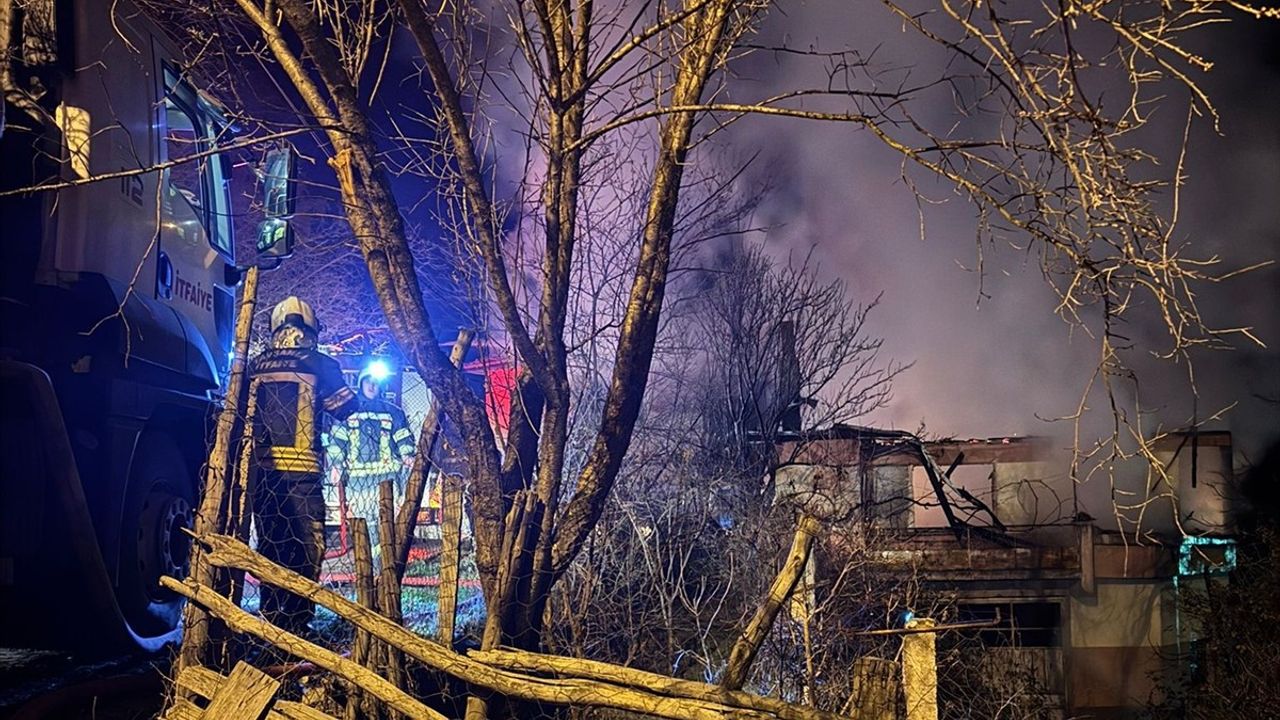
374	440
292	388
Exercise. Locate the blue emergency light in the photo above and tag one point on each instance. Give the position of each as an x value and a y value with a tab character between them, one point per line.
378	370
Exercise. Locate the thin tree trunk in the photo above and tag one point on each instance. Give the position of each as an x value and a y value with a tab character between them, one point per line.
634	354
567	667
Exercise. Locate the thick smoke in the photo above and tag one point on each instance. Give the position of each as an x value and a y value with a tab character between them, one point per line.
999	363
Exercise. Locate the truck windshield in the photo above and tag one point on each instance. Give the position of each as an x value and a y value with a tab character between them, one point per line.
196	198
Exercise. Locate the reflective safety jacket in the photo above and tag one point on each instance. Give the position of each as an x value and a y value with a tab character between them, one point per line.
291	388
373	440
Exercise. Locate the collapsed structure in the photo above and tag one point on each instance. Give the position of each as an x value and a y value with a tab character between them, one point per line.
1075	603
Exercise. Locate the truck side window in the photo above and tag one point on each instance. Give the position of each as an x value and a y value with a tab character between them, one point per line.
196	191
183	186
215	129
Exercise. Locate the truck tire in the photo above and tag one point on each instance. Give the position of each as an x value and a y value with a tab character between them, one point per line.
158	506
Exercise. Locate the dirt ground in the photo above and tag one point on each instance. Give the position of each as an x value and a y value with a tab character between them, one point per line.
35	685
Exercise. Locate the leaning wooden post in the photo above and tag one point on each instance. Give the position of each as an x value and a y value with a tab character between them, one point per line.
450	556
748	644
389	587
242	502
920	670
240	507
407	517
195	639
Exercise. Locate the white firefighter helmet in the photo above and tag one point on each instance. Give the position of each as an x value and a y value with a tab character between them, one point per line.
296	312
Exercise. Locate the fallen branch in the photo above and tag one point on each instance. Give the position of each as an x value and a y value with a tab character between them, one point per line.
595	670
241	621
228	552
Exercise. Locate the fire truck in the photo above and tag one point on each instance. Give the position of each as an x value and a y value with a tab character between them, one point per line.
117	287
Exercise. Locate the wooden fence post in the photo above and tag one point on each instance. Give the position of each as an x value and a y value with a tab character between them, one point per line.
450	556
920	670
389	584
358	701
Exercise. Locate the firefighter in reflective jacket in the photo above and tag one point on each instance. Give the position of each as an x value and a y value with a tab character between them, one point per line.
373	444
293	384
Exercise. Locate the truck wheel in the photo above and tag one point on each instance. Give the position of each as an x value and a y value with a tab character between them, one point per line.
158	506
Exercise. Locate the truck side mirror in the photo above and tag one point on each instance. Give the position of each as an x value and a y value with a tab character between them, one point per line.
275	234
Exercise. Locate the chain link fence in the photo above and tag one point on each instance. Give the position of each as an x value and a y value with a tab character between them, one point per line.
375	444
675	570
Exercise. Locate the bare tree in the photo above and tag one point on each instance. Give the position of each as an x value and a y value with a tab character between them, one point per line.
781	349
689	539
1041	157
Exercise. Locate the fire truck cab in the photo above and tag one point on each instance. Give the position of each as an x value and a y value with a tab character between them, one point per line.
116	317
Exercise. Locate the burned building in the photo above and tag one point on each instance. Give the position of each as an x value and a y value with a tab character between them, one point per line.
1083	603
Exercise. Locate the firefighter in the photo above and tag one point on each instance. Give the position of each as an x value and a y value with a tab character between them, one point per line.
372	445
293	384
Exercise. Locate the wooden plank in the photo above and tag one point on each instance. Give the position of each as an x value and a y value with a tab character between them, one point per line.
247	694
204	683
288	710
183	709
200	681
